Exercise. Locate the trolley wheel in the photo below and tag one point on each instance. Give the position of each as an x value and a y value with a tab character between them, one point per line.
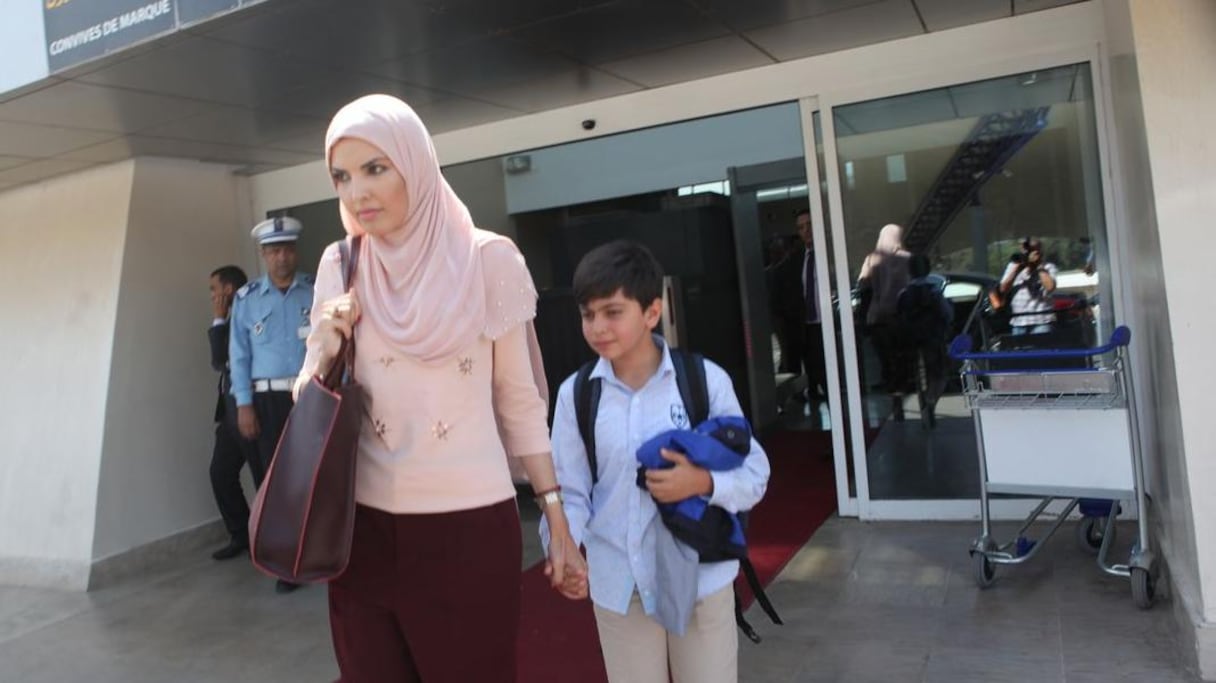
1144	587
982	569
1090	532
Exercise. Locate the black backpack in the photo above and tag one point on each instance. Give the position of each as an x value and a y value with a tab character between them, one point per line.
694	391
921	320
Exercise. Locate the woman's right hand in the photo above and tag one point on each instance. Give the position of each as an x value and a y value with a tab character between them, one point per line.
338	318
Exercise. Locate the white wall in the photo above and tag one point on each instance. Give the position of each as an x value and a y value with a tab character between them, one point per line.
23	37
158	431
1161	63
1176	59
62	242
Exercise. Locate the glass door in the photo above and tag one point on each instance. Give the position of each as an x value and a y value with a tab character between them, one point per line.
947	188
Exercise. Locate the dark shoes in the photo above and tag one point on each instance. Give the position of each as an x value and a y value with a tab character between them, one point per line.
235	548
284	587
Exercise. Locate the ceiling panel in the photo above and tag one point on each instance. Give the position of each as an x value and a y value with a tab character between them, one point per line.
40	170
237	126
618	30
136	145
504	16
29	140
79	105
577	85
940	15
689	62
323	97
208	70
864	25
468	69
753	14
355	32
9	162
1024	6
457	113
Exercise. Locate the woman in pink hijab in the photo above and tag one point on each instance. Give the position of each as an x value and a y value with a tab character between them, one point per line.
884	274
442	315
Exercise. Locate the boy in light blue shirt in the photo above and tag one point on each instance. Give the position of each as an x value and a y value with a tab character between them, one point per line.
618	288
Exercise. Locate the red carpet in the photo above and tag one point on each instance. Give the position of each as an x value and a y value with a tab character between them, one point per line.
558	642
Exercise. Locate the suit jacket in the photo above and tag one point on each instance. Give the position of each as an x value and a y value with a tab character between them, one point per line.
218	336
787	301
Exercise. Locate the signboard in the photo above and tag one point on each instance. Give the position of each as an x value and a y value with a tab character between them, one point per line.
80	30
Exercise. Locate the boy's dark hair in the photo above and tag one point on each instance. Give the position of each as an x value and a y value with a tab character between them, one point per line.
622	264
230	275
919	265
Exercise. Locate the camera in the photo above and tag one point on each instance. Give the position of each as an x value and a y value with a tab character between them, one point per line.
588	124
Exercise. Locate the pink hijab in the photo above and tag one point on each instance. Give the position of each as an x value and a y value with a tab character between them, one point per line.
425	287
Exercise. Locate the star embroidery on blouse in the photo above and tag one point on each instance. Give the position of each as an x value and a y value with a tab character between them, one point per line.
380	426
386	361
466	366
440	430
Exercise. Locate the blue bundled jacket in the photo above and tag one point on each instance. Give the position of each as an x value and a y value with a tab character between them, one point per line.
718	444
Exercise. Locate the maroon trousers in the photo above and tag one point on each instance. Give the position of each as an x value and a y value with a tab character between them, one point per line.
429	598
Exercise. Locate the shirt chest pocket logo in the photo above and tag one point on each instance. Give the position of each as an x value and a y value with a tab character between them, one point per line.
679	417
261	329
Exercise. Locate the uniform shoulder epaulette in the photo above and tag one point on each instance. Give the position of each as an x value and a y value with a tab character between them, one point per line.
249	287
308	279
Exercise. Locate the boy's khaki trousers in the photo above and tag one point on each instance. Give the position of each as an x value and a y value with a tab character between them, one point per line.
637	649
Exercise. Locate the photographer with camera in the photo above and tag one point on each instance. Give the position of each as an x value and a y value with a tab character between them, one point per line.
1027	284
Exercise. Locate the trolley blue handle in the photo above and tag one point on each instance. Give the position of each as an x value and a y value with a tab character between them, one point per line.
960	349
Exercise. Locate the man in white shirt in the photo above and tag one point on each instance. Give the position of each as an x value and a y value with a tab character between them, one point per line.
1031	281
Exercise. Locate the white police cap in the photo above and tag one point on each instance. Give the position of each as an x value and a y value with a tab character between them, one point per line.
277	230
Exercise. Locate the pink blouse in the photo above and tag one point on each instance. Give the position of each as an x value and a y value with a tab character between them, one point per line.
462	417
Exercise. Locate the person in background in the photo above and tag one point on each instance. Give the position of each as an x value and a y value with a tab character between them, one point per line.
1028	283
924	318
231	450
794	297
884	274
270	321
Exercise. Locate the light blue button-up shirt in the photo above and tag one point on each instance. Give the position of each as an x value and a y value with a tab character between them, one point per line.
616	522
268	332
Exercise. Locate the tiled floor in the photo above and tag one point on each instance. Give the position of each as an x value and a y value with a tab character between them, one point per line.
862	602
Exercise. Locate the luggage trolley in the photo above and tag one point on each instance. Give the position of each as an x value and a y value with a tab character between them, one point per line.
1086	417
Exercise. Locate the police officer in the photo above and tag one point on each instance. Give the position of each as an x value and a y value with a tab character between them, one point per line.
231	451
270	321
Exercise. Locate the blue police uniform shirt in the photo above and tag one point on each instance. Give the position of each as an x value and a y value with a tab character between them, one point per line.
268	332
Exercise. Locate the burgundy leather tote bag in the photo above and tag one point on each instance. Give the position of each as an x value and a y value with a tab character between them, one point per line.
303	516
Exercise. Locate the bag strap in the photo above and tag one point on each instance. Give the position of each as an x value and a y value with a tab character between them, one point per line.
694	389
586	406
342	371
753	582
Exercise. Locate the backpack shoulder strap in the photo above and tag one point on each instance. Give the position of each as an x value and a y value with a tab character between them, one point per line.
694	389
586	405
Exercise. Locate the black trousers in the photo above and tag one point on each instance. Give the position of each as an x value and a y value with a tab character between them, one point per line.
230	454
813	361
272	409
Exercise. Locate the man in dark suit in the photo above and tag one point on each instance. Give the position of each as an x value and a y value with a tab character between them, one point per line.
794	299
232	451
